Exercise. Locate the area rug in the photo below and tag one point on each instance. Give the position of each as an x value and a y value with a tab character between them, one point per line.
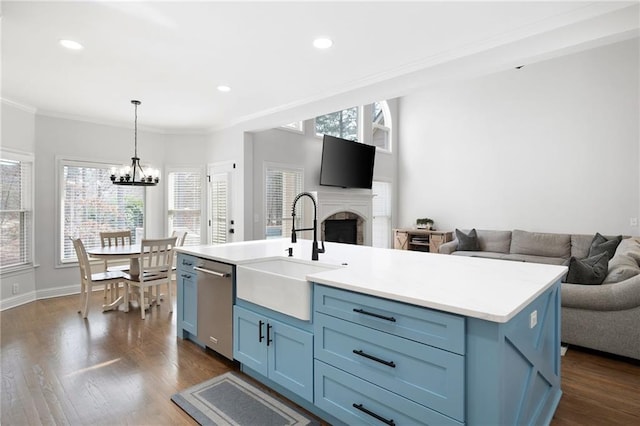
230	400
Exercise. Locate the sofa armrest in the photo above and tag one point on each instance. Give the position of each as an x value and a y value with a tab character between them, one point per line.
605	297
448	248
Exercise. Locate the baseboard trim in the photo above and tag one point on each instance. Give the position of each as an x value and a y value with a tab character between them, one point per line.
18	300
32	296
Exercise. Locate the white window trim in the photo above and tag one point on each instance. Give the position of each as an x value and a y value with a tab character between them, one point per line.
387	115
203	196
299	131
62	161
25	157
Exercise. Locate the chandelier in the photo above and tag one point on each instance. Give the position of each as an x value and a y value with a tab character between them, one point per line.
135	175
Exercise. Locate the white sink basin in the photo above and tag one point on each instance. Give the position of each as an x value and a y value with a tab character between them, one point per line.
279	284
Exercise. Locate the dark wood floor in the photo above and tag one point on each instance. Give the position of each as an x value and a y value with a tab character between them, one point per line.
115	368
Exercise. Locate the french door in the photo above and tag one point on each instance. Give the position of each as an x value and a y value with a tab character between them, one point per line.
221	224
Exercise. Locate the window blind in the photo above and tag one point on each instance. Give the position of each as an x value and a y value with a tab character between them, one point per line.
381	225
16	212
282	186
184	208
90	204
219	207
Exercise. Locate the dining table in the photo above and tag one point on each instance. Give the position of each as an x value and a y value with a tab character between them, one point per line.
126	251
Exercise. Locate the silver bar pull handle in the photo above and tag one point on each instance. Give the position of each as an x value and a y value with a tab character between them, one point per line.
209	271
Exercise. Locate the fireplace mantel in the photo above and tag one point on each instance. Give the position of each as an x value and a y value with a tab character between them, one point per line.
353	201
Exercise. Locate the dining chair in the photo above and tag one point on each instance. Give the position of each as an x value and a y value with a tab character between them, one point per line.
180	237
156	260
114	239
87	279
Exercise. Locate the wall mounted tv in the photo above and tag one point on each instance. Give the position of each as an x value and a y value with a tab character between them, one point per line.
346	163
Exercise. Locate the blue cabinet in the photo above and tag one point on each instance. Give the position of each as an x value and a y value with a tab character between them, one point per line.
187	300
274	349
378	360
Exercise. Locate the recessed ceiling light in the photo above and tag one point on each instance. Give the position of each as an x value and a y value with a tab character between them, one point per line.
322	43
70	44
224	88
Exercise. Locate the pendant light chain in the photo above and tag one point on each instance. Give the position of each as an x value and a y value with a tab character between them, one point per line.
135	131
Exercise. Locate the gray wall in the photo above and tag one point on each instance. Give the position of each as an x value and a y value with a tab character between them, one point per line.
52	138
551	147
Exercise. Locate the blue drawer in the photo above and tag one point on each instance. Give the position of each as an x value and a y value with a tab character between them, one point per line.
435	328
356	401
185	262
429	376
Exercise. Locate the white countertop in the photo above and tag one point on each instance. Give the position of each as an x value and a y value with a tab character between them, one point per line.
494	290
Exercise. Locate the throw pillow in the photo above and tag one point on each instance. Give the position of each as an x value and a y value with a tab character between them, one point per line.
601	244
592	270
467	242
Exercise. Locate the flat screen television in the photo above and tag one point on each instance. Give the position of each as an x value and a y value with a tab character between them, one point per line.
346	163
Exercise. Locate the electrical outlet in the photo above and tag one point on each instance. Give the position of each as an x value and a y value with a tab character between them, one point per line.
633	221
533	319
15	288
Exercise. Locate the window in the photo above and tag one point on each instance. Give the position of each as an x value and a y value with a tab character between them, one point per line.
381	126
16	210
90	203
282	186
341	124
381	226
184	208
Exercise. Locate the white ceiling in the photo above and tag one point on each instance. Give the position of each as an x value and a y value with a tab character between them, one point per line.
173	55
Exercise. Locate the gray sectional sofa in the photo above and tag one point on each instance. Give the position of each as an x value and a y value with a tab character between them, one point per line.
604	317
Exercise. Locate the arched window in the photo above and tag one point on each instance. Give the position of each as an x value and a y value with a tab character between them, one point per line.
381	125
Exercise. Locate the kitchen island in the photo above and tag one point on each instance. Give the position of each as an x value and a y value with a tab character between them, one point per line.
406	337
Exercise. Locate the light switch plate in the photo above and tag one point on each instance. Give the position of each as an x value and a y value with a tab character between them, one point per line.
533	319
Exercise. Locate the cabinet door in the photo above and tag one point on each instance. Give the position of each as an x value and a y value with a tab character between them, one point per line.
187	301
249	339
291	358
401	240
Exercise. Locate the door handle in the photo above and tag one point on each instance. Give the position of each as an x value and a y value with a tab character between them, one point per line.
210	272
260	336
269	340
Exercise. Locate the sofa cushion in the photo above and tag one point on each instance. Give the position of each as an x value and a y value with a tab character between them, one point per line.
625	263
580	245
535	259
540	244
602	244
483	254
467	242
494	241
591	270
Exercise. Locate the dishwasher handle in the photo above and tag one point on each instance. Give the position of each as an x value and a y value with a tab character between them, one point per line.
210	272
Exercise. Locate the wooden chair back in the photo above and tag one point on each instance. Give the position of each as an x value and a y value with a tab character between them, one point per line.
180	237
156	258
115	238
83	260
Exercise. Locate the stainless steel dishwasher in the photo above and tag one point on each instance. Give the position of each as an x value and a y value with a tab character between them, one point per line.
215	306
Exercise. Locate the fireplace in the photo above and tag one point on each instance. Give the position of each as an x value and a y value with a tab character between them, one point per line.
341	231
343	227
345	205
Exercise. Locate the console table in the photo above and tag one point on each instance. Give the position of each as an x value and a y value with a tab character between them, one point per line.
420	239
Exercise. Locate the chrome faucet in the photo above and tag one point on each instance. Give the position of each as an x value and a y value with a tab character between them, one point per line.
315	250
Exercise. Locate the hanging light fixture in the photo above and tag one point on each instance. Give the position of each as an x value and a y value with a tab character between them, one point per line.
135	175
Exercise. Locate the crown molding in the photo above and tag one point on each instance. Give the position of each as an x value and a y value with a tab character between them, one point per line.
20	106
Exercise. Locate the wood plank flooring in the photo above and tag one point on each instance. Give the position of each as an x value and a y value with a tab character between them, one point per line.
115	368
